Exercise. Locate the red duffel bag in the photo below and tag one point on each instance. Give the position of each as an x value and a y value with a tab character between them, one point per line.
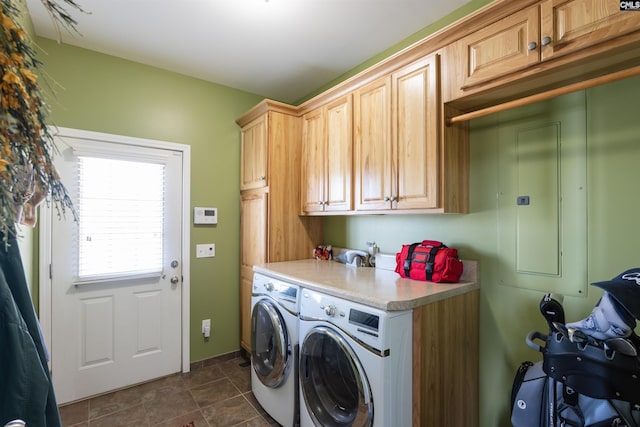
429	260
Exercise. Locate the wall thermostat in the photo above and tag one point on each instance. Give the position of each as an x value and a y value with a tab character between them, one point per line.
205	215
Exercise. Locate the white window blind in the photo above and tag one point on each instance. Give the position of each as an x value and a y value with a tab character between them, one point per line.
121	217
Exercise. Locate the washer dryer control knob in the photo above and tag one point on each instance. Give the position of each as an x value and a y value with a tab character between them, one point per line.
330	310
269	286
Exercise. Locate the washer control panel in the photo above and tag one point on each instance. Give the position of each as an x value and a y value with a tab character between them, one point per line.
284	293
366	323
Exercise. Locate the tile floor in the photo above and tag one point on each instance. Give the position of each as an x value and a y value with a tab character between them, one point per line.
216	392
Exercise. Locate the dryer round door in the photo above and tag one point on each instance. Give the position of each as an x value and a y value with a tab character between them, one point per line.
270	345
334	385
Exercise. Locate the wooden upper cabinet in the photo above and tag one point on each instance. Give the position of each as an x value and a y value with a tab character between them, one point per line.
522	44
327	157
373	153
501	48
253	153
397	139
570	25
313	161
339	157
416	136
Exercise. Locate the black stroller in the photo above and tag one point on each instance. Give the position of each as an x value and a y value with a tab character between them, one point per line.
581	381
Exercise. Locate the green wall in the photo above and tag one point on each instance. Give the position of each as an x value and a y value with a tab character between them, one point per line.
101	93
508	313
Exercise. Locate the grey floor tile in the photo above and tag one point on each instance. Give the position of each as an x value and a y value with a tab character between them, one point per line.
169	406
132	416
229	412
213	392
192	419
203	375
74	413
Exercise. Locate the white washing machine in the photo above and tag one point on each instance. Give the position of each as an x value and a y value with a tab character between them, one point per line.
355	364
274	348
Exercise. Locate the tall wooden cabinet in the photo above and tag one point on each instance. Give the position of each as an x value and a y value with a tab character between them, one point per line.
270	226
396	145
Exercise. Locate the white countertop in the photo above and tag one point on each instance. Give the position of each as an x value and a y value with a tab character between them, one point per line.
370	286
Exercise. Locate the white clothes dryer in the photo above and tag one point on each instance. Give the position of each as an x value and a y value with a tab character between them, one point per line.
274	348
355	364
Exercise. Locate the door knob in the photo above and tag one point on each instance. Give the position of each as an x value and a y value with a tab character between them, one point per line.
174	280
174	263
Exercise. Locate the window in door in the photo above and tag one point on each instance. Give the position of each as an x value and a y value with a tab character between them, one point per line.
121	217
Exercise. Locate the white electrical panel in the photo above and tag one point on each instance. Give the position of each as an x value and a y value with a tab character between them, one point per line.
205	215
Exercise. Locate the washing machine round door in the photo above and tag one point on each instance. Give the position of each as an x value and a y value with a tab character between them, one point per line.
269	344
334	385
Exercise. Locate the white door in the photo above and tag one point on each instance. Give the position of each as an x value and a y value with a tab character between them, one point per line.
116	273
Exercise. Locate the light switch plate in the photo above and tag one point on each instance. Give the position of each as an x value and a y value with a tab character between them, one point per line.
206	250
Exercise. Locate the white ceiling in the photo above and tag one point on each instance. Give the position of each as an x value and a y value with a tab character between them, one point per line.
279	49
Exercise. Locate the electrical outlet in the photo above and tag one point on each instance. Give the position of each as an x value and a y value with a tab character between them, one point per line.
206	328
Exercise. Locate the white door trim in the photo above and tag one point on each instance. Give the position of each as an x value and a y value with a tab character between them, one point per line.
45	228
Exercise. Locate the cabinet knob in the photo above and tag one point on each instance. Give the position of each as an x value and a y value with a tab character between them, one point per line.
393	198
532	46
386	199
320	202
545	40
262	178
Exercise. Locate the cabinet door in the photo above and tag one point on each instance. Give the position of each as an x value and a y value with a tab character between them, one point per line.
253	250
501	48
372	145
339	149
253	154
253	228
571	25
313	170
416	98
246	288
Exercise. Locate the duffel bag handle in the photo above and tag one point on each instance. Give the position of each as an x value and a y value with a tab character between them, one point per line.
407	261
434	243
